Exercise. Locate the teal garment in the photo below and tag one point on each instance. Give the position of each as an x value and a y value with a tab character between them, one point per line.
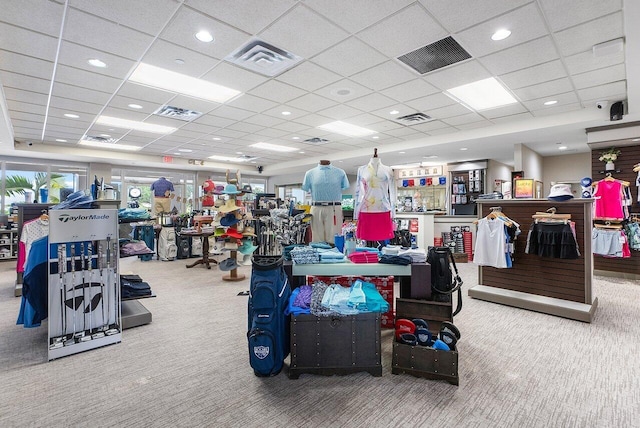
326	183
373	300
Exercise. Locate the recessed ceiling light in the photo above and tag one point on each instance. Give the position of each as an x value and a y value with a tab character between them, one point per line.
60	140
135	125
72	116
204	36
136	106
429	157
167	80
253	161
562	148
347	129
402	153
179	61
501	34
238	153
484	94
97	63
295	138
342	92
463	148
177	153
273	147
217	138
286	113
110	146
301	153
185	150
394	112
550	102
375	137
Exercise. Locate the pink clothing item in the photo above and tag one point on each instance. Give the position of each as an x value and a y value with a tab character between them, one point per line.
22	256
608	200
374	226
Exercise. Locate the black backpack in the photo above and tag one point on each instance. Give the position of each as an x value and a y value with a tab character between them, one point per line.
443	280
268	333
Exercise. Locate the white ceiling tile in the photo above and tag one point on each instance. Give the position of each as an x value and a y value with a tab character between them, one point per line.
403	32
25	119
311	103
532	75
383	76
456	15
349	57
429	127
35	15
126	12
243	14
464	118
202	106
521	56
86	79
187	22
525	23
431	102
562	99
277	91
164	54
18	81
199	128
272	132
82	94
145	94
456	75
76	56
603	91
26	107
337	91
303	32
371	102
25	96
599	77
586	10
474	125
586	61
231	112
410	90
449	111
215	121
26	65
107	36
123	103
584	36
252	103
365	120
291	127
74	105
402	132
354	15
27	42
385	113
512	118
229	75
308	76
557	110
442	131
503	111
242	129
546	89
314	120
266	121
340	112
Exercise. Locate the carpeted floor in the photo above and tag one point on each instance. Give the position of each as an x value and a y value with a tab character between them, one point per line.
189	367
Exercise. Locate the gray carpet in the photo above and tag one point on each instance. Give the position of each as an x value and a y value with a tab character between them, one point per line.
189	367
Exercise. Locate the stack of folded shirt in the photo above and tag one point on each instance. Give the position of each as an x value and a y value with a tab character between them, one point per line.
363	257
332	255
368	249
418	255
396	260
391	250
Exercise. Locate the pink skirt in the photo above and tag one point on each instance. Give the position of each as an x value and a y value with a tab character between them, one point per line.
374	226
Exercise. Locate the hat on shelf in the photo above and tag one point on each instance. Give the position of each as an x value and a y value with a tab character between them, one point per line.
231	189
229	206
229	220
246	188
218	189
248	216
248	231
560	192
247	247
232	233
219	231
208	186
228	264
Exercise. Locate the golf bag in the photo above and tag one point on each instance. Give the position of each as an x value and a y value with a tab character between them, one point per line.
167	248
443	280
268	329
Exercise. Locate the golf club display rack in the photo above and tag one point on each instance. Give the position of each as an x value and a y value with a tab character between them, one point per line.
84	285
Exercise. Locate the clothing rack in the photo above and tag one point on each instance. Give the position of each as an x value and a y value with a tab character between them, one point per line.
560	287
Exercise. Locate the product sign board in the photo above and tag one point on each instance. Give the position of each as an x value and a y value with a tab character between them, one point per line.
523	188
82	225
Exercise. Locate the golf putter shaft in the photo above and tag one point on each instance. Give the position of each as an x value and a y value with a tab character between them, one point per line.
108	281
90	269
62	262
73	284
116	252
101	267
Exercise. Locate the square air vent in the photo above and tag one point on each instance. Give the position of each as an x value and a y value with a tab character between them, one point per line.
436	55
316	141
413	119
97	139
263	58
178	113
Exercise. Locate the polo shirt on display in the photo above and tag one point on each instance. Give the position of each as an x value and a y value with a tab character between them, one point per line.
326	183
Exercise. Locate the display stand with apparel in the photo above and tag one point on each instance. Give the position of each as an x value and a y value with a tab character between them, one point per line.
326	183
162	189
375	201
230	217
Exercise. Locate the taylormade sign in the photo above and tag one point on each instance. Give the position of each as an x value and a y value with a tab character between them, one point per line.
66	217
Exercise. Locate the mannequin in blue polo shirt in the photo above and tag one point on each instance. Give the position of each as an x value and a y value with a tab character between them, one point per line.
161	188
326	183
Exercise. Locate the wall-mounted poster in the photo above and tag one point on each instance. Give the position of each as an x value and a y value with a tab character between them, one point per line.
524	188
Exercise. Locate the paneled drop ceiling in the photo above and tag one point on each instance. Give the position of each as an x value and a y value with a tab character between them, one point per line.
347	70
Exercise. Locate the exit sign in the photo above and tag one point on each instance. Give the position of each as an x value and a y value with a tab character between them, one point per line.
167	159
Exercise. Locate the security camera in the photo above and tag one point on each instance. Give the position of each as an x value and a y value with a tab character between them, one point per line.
29	143
260	168
602	104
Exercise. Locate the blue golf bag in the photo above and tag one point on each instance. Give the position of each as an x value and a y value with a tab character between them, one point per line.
268	330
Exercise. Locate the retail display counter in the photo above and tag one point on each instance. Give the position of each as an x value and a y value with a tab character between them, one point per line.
432	224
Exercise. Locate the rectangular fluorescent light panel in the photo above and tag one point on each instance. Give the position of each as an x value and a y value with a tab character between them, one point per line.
135	125
347	129
273	147
482	95
171	81
229	159
108	146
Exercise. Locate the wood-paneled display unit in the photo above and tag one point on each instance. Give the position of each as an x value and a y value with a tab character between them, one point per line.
554	286
629	156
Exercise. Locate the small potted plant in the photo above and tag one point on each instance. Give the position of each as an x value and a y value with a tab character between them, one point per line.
609	157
